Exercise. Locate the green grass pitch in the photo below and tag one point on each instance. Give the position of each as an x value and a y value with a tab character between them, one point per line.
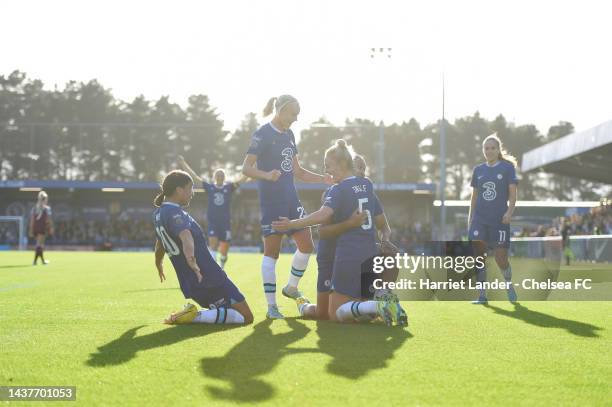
93	320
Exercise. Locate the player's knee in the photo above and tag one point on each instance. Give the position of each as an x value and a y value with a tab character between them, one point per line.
322	313
307	248
247	315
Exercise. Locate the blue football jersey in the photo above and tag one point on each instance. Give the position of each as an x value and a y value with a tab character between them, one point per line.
492	183
219	201
344	198
169	221
275	150
326	248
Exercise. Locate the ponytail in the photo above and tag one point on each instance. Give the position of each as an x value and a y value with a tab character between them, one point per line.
278	103
158	199
269	107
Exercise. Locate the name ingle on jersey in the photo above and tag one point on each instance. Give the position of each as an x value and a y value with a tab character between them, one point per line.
169	221
344	198
492	183
275	150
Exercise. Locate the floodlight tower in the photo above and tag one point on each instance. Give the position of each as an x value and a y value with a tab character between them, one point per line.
379	54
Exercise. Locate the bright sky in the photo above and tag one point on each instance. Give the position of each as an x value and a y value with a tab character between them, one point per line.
533	61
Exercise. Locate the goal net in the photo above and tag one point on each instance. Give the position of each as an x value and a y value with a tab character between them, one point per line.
13	232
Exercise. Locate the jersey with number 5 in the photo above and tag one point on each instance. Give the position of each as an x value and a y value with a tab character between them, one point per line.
275	150
169	221
344	198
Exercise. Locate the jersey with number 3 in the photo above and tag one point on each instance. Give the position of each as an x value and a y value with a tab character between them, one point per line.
275	150
492	183
169	221
219	201
344	198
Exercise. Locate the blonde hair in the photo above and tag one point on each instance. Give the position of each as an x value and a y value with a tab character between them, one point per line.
503	153
42	196
40	203
359	165
342	152
278	103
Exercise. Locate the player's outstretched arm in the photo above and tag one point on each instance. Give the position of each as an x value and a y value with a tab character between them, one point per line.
183	164
189	252
304	175
249	169
323	215
243	178
334	230
159	260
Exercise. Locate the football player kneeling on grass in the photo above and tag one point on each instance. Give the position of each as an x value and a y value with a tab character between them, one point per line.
199	276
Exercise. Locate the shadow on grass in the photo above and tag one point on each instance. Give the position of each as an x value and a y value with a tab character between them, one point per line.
255	356
146	290
548	321
12	266
355	350
125	348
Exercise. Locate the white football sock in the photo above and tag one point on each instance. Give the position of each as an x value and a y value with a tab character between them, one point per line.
357	310
268	275
298	266
219	316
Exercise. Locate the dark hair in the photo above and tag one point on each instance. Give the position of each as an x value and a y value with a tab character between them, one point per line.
173	180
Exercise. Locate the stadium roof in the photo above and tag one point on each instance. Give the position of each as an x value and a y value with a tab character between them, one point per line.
113	185
585	155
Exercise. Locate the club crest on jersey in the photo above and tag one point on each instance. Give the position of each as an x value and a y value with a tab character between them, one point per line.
499	176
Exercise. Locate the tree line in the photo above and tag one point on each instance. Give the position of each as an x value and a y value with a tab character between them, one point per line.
83	132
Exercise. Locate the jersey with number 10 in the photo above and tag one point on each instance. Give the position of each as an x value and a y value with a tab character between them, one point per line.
492	183
344	198
275	150
169	221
